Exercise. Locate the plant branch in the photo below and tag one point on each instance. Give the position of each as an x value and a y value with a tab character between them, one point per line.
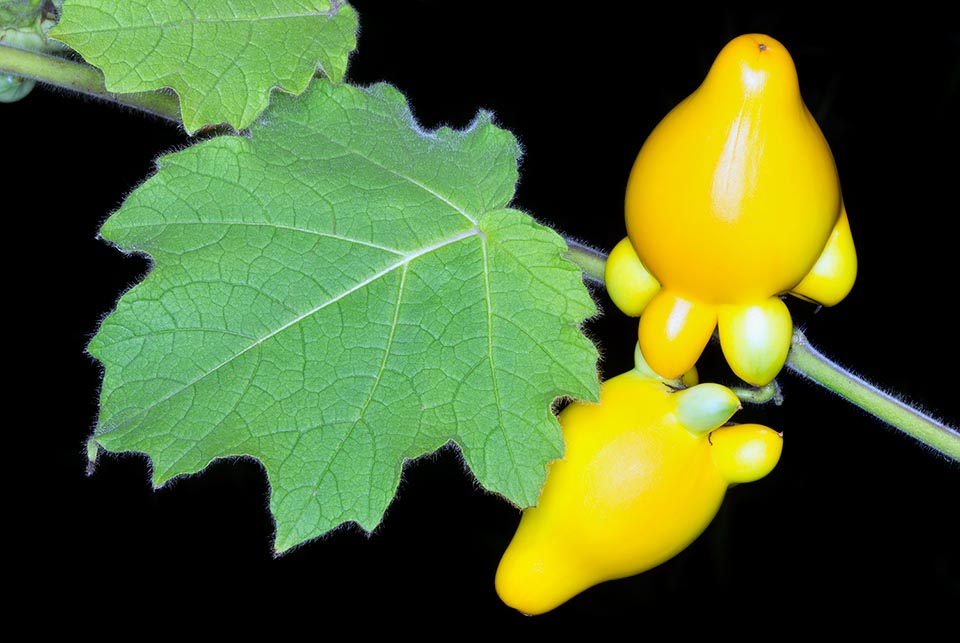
807	361
803	359
85	79
590	260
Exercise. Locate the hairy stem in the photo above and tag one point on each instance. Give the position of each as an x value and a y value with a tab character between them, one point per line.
807	361
590	260
83	78
759	394
810	363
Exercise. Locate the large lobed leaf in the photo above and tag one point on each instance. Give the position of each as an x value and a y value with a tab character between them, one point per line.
223	57
335	294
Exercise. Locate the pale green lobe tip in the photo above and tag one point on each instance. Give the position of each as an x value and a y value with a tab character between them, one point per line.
704	407
640	364
756	339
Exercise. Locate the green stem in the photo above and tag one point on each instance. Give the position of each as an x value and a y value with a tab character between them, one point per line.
759	394
807	361
590	260
83	78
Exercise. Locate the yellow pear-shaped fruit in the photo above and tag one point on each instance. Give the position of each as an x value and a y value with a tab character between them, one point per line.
635	487
733	201
739	178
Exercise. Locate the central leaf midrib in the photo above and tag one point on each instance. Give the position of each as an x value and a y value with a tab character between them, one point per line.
366	282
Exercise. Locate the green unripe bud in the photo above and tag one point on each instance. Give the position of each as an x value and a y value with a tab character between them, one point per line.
13	88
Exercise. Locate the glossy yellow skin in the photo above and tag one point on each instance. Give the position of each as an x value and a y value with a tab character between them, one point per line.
634	488
733	200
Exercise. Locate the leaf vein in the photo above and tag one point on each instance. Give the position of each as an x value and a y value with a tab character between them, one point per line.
493	370
376	383
318	233
461	211
366	282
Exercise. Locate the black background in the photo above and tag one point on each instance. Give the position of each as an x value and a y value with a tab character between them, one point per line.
857	520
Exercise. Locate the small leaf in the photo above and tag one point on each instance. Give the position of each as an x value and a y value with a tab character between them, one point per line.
222	57
337	293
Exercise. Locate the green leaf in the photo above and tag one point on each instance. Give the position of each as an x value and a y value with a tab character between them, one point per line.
222	57
337	293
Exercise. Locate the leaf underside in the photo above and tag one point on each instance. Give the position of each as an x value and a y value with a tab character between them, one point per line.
222	57
334	294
